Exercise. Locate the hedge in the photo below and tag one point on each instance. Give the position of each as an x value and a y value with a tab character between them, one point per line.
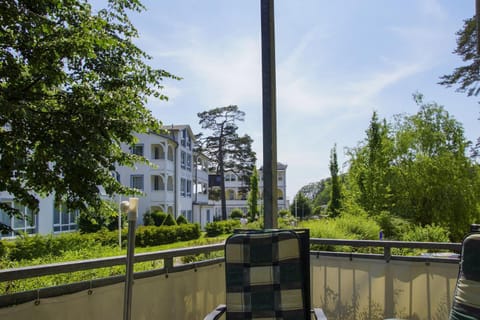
31	247
217	228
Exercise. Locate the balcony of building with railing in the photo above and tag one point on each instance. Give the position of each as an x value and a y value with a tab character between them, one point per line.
347	285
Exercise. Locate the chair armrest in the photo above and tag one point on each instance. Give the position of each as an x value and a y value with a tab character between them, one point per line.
319	315
215	314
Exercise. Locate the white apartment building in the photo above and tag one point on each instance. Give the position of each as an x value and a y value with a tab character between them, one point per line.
235	190
178	181
176	184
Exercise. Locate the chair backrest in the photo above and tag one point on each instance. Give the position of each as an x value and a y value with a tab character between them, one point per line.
466	304
268	275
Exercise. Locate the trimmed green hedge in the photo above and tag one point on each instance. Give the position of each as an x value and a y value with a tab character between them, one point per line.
32	247
217	228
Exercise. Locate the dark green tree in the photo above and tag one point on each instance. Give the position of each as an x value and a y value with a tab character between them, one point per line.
253	195
467	76
335	201
73	88
226	150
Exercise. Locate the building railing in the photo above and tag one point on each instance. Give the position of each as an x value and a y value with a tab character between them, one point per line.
325	264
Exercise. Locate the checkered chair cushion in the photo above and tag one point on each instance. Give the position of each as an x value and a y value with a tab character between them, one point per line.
466	304
266	276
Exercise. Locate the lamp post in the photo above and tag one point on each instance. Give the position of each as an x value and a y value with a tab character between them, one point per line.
131	206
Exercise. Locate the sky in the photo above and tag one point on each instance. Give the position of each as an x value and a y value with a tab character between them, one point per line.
336	63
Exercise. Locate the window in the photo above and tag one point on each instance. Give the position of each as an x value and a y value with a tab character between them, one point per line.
137	149
26	224
279	194
170	183
230	195
136	181
170	153
189	188
209	219
189	216
157	152
157	183
189	162
183	159
182	187
63	219
189	143
184	137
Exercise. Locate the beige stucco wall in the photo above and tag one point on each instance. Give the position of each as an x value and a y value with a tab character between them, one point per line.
375	289
183	295
357	289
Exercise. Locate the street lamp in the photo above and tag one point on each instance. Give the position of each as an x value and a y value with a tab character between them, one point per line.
131	207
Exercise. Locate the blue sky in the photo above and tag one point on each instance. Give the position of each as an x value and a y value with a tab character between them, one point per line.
337	62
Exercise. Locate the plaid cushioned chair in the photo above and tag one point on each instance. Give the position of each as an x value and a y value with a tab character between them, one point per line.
466	301
267	276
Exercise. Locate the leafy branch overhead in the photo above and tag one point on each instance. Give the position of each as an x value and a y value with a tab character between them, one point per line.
73	87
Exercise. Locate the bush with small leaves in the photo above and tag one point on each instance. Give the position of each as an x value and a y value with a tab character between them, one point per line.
181	220
236	213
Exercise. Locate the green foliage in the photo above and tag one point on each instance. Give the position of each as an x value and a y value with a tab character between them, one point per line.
148	219
416	169
359	227
181	220
159	218
252	199
106	216
236	213
73	87
169	220
301	207
217	228
152	235
335	202
284	213
428	233
28	247
467	77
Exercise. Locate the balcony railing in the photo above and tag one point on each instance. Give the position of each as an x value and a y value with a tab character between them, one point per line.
347	285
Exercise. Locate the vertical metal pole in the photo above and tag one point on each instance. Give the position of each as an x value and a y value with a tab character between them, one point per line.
120	222
132	220
269	116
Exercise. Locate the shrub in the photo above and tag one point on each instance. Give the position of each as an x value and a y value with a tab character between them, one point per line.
159	218
181	220
428	233
283	213
90	221
153	236
236	213
169	220
148	219
216	228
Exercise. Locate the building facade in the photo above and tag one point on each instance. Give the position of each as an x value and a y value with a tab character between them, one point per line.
176	183
236	191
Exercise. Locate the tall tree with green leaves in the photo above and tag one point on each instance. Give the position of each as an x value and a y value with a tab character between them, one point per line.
227	151
369	168
335	202
73	88
435	181
253	195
